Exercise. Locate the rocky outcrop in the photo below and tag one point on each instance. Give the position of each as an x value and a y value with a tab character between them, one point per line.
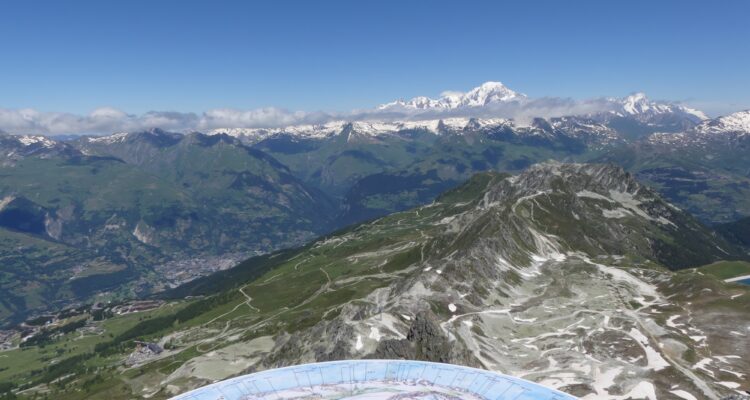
426	341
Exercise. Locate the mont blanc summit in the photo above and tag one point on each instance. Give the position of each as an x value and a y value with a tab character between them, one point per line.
486	94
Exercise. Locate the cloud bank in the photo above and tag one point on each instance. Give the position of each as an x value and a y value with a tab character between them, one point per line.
100	121
109	120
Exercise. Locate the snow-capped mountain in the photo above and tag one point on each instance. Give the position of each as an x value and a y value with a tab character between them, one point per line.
728	130
365	128
571	127
585	130
305	131
483	95
32	140
606	120
637	105
15	147
738	122
640	106
109	139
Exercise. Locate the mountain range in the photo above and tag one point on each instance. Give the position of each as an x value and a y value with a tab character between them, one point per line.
97	218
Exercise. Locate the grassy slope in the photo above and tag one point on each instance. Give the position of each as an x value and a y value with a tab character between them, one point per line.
278	304
91	190
726	269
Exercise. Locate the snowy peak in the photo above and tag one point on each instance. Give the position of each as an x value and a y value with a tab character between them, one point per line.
486	94
322	131
725	131
155	136
307	131
639	104
31	140
109	139
15	147
28	141
737	122
585	130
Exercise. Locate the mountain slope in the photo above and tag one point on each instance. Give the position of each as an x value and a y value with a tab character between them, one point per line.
378	169
69	234
738	122
250	196
737	232
218	199
80	221
555	275
703	169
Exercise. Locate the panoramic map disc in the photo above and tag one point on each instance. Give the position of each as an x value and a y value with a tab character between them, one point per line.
375	380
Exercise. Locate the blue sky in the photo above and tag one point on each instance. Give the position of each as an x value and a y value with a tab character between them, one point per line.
190	56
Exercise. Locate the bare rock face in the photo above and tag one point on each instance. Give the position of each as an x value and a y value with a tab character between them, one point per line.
394	349
429	341
426	341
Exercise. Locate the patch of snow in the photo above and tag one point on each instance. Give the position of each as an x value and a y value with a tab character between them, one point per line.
643	390
736	122
628	201
28	140
5	201
737	374
683	394
446	220
604	380
113	138
702	363
671	323
593	195
374	334
654	358
616	213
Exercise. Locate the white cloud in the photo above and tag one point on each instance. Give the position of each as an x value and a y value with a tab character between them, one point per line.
101	120
523	112
268	117
106	120
451	93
